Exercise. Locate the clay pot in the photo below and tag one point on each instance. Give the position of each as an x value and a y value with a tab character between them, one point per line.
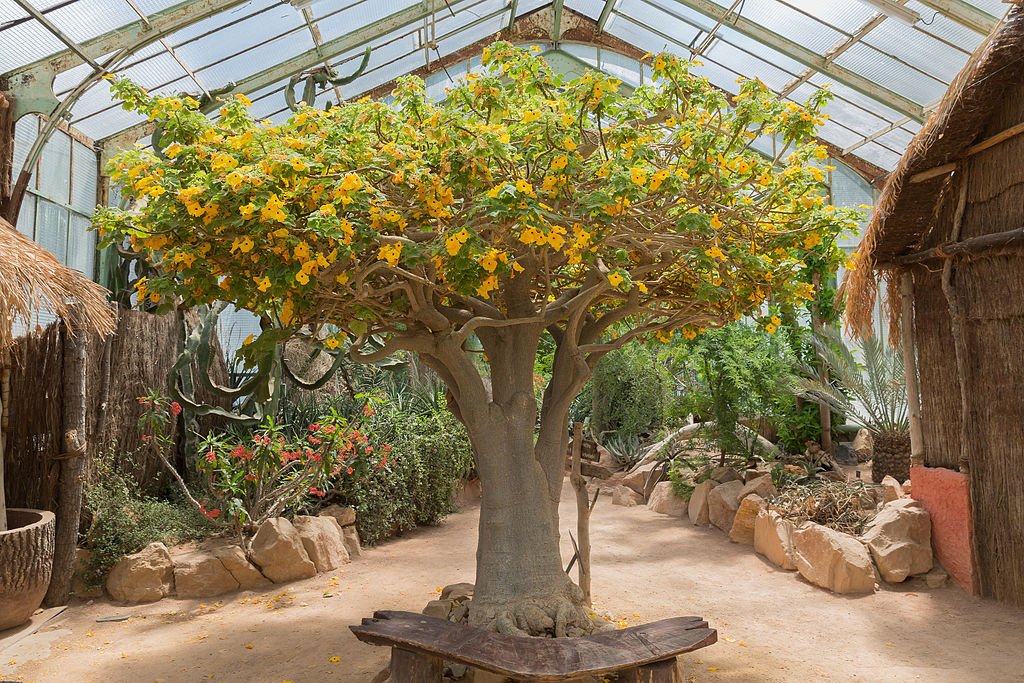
26	560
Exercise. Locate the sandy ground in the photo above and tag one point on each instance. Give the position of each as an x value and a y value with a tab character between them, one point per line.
772	625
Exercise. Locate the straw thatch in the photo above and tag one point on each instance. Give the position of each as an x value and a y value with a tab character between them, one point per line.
32	279
905	213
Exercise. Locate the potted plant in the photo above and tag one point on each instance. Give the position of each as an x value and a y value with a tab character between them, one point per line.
32	279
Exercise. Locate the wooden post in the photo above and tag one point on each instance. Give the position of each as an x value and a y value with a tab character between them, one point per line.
824	412
664	671
5	381
582	512
72	461
910	368
415	667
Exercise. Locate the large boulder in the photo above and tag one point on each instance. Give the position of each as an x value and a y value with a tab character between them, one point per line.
725	474
863	445
323	540
664	500
145	576
627	497
723	501
698	506
899	538
743	524
833	560
278	551
352	541
640	477
762	486
344	515
891	489
235	561
199	574
773	538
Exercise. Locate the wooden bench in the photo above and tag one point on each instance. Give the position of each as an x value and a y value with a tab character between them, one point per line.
420	645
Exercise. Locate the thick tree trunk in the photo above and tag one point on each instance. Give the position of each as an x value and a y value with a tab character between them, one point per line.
521	586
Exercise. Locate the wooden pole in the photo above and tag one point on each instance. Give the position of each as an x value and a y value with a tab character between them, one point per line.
582	511
824	412
4	373
72	462
910	368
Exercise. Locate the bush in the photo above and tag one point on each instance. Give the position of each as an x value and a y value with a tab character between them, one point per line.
629	388
124	521
430	456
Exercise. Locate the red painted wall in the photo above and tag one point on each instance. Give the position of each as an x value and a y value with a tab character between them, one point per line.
946	495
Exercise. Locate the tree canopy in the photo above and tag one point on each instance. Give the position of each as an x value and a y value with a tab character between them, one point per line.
521	198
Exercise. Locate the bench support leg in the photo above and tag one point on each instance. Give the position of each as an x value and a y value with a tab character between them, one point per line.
413	667
658	672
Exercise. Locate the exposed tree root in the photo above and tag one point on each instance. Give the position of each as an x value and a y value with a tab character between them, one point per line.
557	616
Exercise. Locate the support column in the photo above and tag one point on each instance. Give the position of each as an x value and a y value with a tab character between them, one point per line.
909	339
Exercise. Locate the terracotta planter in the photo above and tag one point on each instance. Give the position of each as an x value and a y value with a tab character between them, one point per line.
26	560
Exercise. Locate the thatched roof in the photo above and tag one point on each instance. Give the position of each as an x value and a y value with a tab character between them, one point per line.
905	210
32	279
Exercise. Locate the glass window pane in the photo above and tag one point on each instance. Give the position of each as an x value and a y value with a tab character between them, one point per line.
83	179
82	245
25	130
55	168
52	229
27	217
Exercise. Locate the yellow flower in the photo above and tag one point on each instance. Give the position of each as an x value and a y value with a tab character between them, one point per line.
642	287
301	277
638	175
769	328
570	144
559	162
332	343
524	187
263	285
776	320
301	252
716	222
328	210
243	99
614	278
390	253
246	211
172	151
298	164
530	116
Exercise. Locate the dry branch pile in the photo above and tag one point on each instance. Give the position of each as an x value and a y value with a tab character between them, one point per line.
837	505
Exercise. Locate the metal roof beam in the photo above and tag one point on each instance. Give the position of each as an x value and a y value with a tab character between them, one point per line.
141	32
964	14
512	14
556	21
326	51
810	58
606	14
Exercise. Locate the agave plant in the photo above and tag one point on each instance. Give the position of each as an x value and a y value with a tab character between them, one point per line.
625	449
872	393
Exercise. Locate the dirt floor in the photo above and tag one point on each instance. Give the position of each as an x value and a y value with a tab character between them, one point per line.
772	625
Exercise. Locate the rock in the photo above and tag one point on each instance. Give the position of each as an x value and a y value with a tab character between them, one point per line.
80	577
345	516
665	501
863	445
751	475
762	486
773	538
199	574
832	475
833	560
623	495
907	488
844	455
937	577
437	608
725	474
698	506
278	551
145	576
352	541
234	560
899	537
640	477
891	489
457	591
794	470
459	613
323	540
743	524
723	501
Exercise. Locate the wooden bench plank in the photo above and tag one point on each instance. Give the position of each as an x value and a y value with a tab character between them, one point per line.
538	659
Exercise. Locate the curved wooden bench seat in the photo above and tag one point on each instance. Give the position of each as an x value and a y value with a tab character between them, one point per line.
653	646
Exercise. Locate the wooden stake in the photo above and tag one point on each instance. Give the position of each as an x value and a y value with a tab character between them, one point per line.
582	512
824	412
956	327
910	368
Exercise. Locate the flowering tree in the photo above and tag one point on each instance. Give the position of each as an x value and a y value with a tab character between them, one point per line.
521	204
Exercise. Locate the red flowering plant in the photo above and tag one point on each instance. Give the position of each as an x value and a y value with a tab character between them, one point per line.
271	471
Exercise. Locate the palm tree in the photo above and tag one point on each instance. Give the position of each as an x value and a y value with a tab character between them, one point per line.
872	393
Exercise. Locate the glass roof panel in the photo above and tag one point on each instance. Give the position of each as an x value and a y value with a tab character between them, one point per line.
84	19
918	50
889	73
790	23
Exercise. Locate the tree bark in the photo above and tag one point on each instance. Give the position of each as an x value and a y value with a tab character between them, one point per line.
521	587
72	467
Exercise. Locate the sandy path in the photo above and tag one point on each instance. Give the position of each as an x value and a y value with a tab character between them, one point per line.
772	625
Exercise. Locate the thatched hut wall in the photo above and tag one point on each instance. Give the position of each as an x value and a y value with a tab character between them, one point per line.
118	370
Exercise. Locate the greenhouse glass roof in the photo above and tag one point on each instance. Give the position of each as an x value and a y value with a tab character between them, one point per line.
888	62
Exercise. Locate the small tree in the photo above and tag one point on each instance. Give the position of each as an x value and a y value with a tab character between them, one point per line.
520	204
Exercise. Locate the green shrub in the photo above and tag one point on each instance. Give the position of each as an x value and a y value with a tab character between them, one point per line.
124	521
430	456
629	388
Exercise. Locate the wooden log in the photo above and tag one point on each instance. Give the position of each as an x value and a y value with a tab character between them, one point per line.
415	667
664	671
910	368
930	173
824	411
71	469
974	245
